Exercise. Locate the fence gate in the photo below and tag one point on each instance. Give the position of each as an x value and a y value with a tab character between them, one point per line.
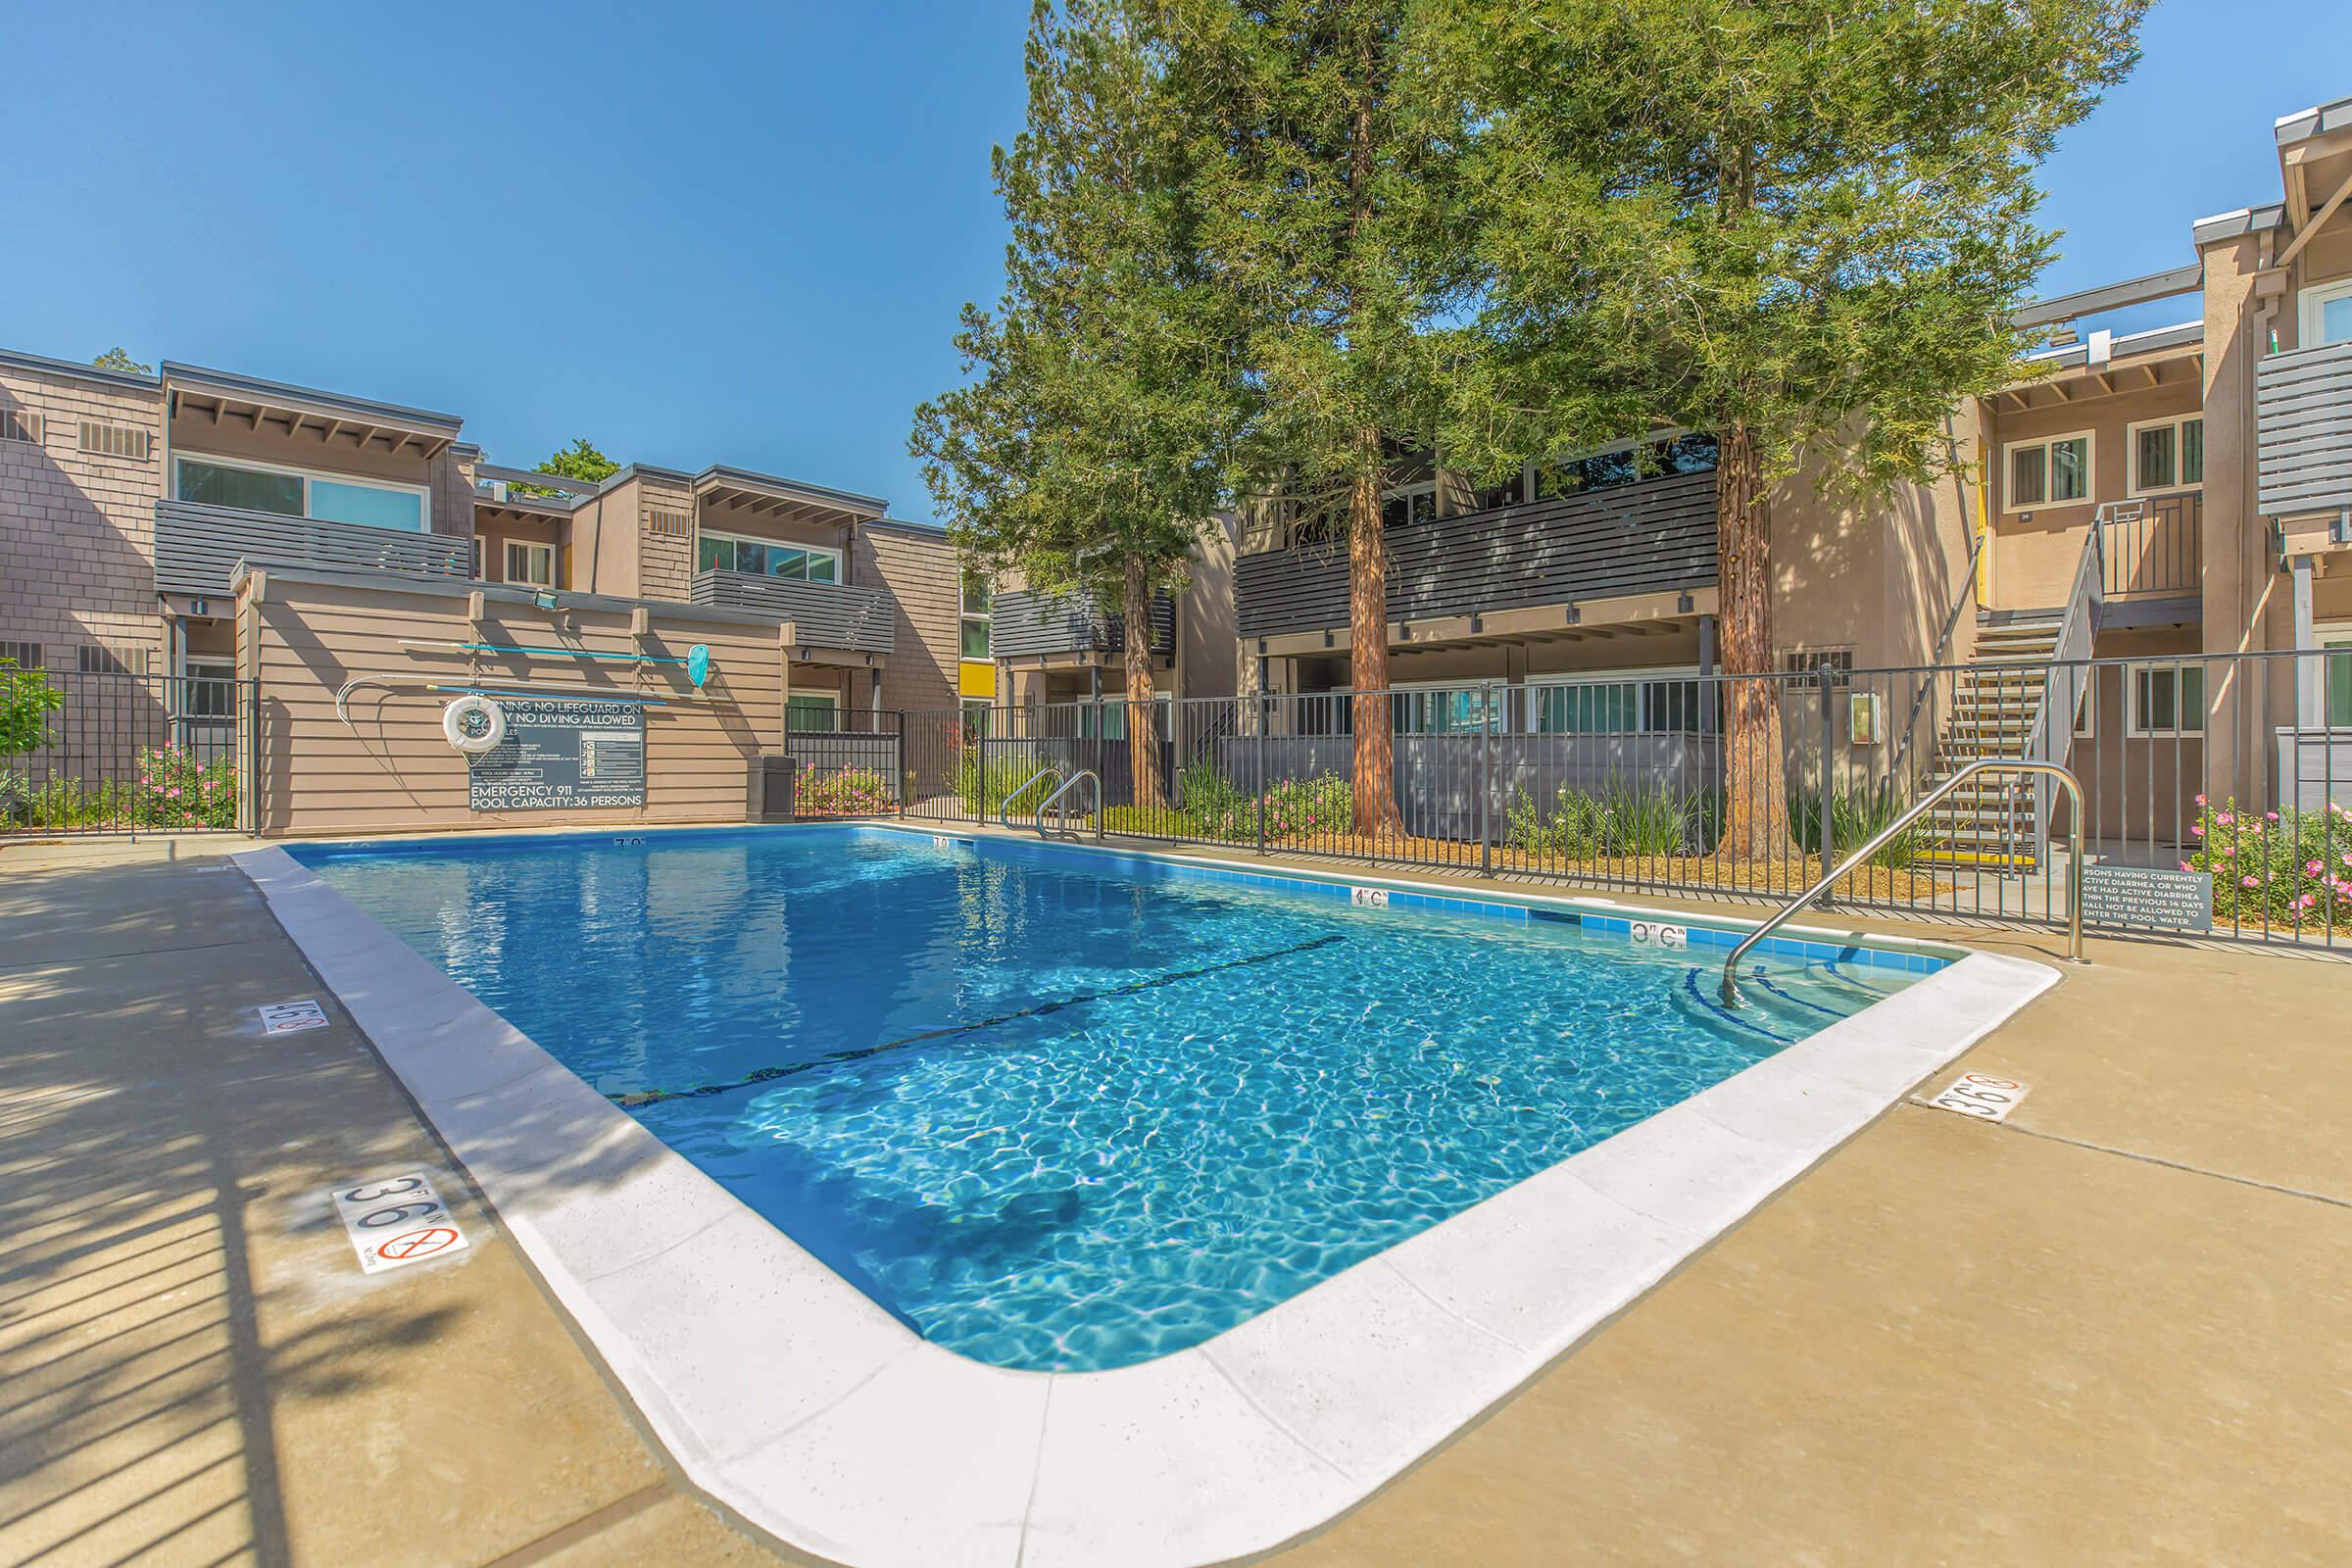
88	752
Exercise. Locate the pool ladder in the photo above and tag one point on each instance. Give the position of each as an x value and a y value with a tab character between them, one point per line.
1878	840
1004	807
1062	814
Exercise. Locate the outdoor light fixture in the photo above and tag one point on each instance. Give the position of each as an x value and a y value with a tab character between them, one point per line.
546	601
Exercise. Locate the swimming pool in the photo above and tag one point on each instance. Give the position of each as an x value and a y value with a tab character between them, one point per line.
1059	1111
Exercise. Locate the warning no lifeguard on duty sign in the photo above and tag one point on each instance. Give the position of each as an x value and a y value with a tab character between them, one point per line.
396	1221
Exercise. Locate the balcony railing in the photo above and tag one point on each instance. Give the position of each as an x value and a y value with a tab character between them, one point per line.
1023	624
825	614
2303	431
2153	549
1630	539
198	547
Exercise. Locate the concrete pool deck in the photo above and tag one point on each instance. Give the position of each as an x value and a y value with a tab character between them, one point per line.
1948	1338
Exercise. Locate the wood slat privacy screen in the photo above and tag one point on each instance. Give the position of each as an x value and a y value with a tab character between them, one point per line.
391	770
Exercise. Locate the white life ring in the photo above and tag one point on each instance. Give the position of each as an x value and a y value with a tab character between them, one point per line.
473	724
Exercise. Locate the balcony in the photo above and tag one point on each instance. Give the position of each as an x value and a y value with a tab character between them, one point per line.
1640	538
1024	624
198	547
2303	433
825	614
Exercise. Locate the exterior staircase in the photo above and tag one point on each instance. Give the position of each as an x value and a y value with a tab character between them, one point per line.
1988	822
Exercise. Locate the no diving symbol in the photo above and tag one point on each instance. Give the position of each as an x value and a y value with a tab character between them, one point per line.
411	1246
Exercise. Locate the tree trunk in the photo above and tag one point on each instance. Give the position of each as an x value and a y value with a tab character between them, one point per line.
1143	727
1374	783
1755	815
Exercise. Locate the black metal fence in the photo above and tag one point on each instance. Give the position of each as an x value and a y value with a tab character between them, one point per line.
86	751
849	763
2228	767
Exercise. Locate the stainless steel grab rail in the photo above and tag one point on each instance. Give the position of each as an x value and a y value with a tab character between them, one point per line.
1880	839
1053	803
1004	807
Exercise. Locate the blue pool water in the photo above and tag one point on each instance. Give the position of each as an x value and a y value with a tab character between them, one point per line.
1057	1110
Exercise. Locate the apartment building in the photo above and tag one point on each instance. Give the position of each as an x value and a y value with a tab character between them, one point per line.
128	503
2162	498
1058	650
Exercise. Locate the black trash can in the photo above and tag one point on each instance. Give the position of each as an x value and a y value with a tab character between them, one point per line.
769	792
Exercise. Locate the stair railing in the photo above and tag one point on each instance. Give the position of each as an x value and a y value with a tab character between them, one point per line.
2052	771
2051	734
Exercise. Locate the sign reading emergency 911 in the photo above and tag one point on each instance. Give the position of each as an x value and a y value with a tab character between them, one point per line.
560	754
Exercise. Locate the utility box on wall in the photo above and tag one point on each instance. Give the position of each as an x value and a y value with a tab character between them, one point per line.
770	790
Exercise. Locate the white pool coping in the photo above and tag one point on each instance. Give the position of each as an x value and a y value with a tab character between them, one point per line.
787	1394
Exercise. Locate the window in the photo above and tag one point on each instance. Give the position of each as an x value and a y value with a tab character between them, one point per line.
1450	710
298	493
209	690
765	558
1667	701
976	602
810	712
1113	709
534	564
2053	473
2335	674
2168	700
1629	463
20	425
25	655
1414	497
2327	314
2167	453
976	718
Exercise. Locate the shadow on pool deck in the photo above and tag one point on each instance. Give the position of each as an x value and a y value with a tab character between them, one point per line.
192	1367
2113	1329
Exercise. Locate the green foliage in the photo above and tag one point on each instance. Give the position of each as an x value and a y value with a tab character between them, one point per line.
27	700
1098	392
984	785
2290	868
1808	219
172	789
1854	816
843	792
580	460
1623	820
1212	807
116	359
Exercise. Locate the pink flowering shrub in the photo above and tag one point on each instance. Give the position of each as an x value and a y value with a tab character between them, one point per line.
2277	868
176	790
848	792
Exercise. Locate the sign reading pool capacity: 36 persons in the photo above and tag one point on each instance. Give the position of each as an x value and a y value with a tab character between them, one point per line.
561	755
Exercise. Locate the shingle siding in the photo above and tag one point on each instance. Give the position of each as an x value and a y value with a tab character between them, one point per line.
921	574
76	527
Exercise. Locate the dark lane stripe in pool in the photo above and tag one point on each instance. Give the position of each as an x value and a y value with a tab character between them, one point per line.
832	1059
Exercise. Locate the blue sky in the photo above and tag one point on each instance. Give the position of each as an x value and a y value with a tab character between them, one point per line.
737	234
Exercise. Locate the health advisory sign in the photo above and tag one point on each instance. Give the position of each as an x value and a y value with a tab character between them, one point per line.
561	756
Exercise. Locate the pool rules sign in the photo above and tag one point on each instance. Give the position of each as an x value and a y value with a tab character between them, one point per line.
560	754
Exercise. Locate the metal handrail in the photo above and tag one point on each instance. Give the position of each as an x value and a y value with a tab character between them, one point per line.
1880	839
1084	775
1004	807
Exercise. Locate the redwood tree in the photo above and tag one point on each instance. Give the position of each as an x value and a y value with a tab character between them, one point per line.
1325	171
1085	448
1800	225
